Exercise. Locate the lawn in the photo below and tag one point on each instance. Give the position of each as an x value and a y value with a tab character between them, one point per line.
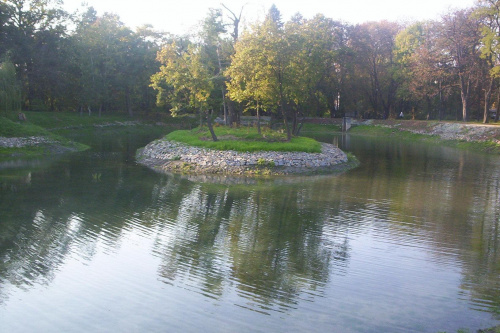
244	139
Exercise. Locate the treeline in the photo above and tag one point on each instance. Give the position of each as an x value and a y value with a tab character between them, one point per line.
319	67
52	60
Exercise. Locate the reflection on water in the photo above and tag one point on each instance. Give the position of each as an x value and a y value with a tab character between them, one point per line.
406	242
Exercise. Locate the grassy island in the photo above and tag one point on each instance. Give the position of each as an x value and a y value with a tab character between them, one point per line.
242	151
245	139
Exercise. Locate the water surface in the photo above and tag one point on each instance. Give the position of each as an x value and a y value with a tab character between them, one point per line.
407	242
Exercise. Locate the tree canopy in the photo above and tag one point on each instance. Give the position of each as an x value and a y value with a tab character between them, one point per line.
287	69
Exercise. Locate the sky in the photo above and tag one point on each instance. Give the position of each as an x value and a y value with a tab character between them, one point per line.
182	16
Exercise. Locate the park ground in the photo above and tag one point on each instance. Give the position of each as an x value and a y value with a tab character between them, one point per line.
48	133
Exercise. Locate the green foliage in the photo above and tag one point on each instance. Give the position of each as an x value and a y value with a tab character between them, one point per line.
244	139
96	177
287	68
263	162
51	60
183	80
10	91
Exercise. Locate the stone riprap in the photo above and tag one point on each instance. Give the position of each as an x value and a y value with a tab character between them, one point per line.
49	146
23	141
174	156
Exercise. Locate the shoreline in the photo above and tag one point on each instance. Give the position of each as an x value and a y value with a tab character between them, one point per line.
41	144
175	157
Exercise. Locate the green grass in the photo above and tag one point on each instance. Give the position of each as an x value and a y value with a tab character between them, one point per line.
392	132
50	120
483	146
58	120
245	139
10	129
67	127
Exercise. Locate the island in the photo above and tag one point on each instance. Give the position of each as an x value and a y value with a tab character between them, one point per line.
232	158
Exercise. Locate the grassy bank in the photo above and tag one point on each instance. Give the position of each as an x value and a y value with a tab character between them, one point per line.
488	146
320	128
391	132
12	129
71	131
244	139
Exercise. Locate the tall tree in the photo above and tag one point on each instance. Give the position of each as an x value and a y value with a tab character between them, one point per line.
423	70
10	92
184	81
271	62
488	12
32	26
459	40
115	63
373	43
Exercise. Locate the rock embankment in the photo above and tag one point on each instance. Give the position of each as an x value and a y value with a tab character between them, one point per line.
49	146
23	141
177	157
470	132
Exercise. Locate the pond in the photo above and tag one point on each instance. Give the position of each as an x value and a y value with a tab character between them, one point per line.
406	242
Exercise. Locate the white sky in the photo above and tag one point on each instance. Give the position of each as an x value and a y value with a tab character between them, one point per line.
181	16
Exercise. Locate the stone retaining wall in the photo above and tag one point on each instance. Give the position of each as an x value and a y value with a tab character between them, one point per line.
174	156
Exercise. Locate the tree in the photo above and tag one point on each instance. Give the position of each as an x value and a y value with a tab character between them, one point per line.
423	70
488	12
33	29
459	40
268	76
249	76
231	111
373	44
10	92
115	64
184	81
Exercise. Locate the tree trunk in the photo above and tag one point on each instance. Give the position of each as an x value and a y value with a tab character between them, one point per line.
234	119
258	120
287	126
294	122
128	103
440	102
283	113
224	105
428	100
300	125
464	94
498	105
210	127
487	96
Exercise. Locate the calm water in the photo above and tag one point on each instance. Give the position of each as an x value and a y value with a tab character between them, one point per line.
407	242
